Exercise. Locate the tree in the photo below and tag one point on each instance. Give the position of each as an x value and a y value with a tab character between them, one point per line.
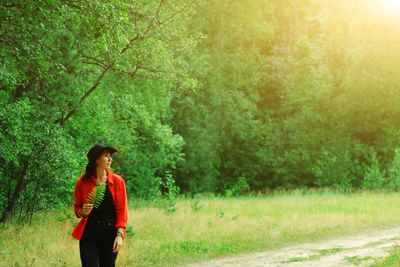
55	55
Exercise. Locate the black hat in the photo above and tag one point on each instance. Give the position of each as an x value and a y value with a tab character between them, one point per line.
96	150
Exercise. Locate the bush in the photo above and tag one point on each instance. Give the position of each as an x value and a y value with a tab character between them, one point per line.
239	188
393	181
333	169
374	177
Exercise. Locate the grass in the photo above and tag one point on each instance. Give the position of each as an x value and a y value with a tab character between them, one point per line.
206	228
320	253
393	260
357	261
324	252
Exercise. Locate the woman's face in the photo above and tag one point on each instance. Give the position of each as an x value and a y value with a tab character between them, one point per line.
104	161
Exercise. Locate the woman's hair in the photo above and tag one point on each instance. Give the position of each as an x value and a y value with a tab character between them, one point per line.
90	170
93	154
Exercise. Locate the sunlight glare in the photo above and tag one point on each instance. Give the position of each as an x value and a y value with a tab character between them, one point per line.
390	6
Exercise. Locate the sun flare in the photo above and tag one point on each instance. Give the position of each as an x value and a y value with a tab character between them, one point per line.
390	6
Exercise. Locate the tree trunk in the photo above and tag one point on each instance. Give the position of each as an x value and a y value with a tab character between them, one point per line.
13	201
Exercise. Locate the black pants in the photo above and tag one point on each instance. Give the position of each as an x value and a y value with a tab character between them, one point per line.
97	243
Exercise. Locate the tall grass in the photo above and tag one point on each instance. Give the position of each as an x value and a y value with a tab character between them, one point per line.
206	228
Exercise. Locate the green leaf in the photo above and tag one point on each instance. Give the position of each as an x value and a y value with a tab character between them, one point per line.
96	196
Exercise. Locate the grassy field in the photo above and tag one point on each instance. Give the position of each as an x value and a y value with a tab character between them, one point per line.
393	260
206	228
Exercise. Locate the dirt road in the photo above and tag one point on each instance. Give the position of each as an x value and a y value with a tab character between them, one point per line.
345	251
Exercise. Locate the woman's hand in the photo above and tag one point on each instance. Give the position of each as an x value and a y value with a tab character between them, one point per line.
117	243
86	209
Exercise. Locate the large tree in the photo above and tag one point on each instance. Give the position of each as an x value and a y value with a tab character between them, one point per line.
55	55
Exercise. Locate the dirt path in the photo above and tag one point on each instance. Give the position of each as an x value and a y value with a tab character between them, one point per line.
344	251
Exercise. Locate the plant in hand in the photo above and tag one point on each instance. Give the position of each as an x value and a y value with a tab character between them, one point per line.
96	196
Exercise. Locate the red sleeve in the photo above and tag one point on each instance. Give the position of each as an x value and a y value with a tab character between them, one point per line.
78	204
121	207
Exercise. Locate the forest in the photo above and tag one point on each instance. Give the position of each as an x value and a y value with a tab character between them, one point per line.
226	97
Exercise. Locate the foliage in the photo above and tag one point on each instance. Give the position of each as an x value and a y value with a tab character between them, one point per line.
288	94
69	73
334	169
393	181
241	187
374	176
172	193
195	204
296	96
96	195
148	146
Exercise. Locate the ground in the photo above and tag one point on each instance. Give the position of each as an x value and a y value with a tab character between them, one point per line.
357	250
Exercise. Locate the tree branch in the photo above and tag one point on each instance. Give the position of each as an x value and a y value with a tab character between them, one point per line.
70	3
14	5
129	45
97	62
97	83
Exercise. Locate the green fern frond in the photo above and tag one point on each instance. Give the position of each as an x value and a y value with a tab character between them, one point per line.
96	196
92	196
100	192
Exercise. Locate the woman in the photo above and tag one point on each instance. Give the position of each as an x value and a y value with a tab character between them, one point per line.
102	229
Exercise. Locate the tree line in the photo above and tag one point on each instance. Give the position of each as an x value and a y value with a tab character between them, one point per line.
218	95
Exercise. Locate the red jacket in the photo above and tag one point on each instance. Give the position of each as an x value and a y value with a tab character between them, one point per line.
118	192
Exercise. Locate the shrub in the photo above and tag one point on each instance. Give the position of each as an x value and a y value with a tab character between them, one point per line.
239	188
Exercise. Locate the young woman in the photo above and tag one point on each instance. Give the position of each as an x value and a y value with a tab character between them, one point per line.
102	229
